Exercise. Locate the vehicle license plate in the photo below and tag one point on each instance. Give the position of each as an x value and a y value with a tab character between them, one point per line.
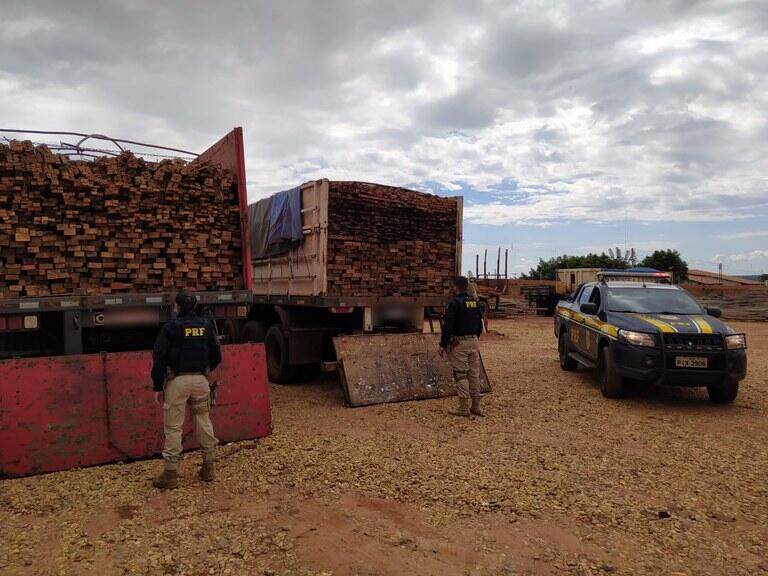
688	362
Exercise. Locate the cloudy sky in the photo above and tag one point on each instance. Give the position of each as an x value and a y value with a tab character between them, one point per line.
567	126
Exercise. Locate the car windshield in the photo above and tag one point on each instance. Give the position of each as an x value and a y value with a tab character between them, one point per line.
651	301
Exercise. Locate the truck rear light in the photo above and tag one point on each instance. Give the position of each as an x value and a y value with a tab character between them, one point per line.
342	310
27	322
242	311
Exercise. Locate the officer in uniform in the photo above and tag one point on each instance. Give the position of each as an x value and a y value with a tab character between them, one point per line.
462	324
185	351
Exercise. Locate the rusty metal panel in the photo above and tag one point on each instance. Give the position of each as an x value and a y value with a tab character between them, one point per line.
136	422
52	414
65	412
378	368
229	153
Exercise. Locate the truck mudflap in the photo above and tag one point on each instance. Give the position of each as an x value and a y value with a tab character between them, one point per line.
379	368
71	411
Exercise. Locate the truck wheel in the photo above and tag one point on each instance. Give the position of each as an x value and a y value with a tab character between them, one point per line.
566	362
254	331
725	393
611	383
231	331
278	367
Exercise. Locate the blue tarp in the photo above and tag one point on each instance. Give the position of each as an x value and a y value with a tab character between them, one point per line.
275	223
285	217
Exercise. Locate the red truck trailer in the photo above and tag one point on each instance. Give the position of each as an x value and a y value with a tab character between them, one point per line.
76	387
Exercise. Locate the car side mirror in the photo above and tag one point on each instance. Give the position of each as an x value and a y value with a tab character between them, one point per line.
715	312
589	308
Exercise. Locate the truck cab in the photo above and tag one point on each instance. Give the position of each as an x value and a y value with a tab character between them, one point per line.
640	327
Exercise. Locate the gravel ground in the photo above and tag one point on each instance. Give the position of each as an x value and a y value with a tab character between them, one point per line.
555	480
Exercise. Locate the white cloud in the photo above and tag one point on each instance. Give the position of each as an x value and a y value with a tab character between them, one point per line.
743	257
598	111
744	235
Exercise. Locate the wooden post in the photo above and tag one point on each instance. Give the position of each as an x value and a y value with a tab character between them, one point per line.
485	265
498	265
477	265
506	264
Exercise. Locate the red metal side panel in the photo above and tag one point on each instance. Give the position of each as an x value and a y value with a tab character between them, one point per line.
229	153
59	413
52	414
136	422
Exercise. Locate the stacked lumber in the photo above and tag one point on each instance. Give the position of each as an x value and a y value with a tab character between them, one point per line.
750	304
511	308
116	224
387	241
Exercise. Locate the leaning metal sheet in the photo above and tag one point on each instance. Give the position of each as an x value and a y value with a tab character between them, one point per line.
378	368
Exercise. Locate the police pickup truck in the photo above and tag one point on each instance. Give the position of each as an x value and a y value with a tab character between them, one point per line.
638	326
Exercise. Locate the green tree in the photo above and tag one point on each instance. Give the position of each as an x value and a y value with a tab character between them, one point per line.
546	269
764	278
668	261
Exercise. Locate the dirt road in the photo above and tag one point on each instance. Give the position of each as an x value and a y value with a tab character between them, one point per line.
555	480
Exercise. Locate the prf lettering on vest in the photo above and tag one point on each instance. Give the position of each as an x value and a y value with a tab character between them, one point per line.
470	303
194	332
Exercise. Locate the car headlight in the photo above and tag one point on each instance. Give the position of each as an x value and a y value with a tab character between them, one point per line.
637	338
736	341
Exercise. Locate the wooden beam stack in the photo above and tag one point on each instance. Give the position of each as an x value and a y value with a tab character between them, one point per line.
387	241
117	224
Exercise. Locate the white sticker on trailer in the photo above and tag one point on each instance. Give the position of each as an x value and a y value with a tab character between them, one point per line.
29	305
69	303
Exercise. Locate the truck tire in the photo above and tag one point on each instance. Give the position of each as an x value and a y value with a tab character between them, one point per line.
725	393
566	362
253	331
278	366
611	383
232	331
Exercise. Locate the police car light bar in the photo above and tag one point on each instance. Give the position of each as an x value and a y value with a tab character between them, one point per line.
617	276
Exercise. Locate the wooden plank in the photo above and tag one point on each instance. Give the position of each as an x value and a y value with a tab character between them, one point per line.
73	223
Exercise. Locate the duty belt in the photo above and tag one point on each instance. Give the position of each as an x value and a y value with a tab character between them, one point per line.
467	337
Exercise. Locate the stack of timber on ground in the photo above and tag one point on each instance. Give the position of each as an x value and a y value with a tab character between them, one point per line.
745	305
706	278
116	224
511	308
387	241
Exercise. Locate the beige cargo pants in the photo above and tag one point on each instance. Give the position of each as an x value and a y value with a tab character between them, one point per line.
465	362
192	388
